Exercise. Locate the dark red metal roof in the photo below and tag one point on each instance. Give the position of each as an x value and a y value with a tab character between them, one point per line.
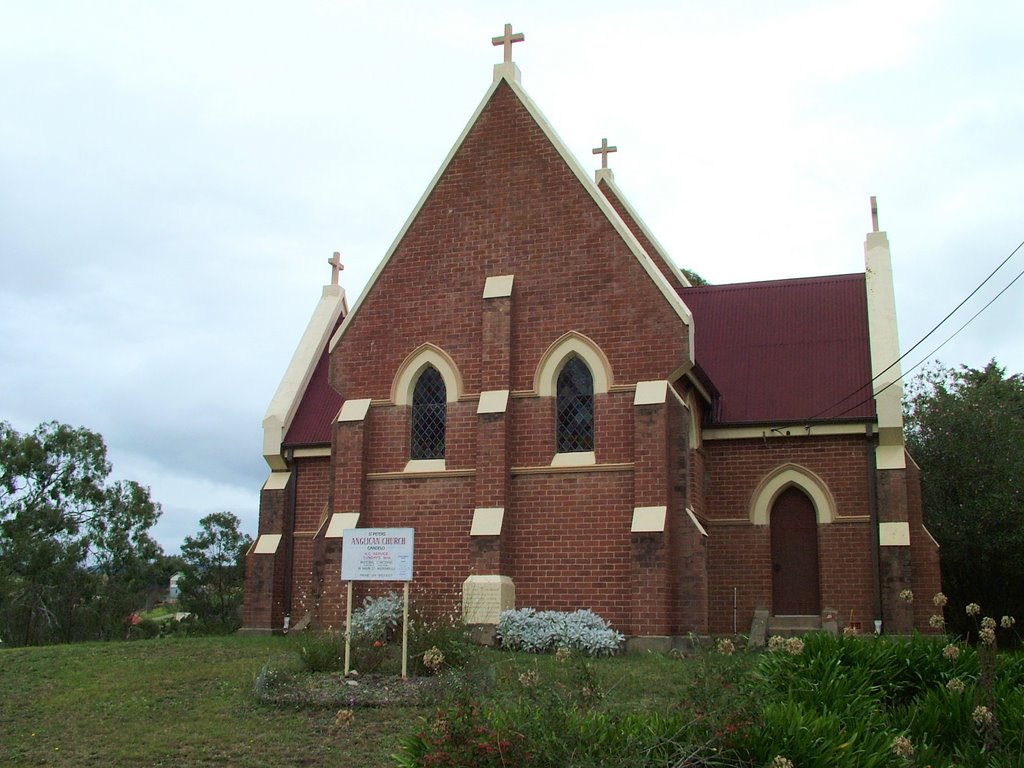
319	405
785	350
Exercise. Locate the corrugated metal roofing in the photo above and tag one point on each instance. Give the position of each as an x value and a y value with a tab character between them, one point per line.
785	350
319	405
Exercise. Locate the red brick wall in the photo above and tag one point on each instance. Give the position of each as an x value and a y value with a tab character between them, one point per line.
266	574
312	477
927	579
740	553
568	540
656	255
508	204
441	511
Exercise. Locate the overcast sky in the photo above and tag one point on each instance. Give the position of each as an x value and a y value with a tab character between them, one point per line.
174	176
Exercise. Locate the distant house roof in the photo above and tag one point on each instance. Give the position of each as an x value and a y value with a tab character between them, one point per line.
785	350
319	405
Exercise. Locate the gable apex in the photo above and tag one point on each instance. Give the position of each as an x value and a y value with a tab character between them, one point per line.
509	75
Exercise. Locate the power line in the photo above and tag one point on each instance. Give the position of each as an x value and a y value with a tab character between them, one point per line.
929	355
920	341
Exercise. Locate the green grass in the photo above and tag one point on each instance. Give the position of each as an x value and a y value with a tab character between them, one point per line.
188	701
171	702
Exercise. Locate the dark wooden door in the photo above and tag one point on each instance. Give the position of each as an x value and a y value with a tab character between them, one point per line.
794	530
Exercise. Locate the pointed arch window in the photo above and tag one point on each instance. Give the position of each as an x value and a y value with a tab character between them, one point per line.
429	416
574	407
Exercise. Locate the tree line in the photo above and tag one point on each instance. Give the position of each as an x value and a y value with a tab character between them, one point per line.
77	561
965	429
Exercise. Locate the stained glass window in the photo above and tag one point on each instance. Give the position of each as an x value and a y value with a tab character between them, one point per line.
574	407
429	412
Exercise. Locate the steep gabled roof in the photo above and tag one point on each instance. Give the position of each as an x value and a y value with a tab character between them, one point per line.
292	391
785	350
606	183
508	76
319	406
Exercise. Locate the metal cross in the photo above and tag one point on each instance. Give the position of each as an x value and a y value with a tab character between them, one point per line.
874	214
604	150
506	40
336	267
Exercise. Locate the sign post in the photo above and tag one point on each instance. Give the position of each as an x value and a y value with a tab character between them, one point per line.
377	554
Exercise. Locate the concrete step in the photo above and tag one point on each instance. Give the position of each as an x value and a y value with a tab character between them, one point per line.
789	626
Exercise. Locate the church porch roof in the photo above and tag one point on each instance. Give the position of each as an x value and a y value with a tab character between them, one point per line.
785	350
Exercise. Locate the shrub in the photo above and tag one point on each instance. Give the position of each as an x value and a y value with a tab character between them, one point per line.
378	618
144	630
539	631
884	701
445	634
552	727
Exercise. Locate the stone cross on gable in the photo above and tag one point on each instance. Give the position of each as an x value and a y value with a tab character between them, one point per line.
604	150
336	267
506	40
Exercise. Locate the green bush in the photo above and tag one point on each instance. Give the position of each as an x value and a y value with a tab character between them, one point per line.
144	630
843	702
445	633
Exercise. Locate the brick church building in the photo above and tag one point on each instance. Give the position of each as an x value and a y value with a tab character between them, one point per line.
532	384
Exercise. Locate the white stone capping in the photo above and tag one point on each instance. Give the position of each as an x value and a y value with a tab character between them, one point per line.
575	459
650	392
782	478
604	174
411	368
312	453
425	465
493	401
487	521
508	71
890	457
484	597
793	430
267	544
511	76
341	522
894	534
277	481
610	179
289	393
498	286
696	522
354	410
545	380
648	519
884	343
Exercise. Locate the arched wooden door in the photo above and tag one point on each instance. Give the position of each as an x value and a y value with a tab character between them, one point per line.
794	531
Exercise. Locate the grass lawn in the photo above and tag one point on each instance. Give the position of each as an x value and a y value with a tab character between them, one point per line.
171	702
189	701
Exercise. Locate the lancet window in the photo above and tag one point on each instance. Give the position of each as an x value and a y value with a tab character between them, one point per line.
574	407
429	416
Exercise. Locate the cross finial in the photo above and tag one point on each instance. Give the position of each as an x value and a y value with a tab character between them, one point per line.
506	40
604	150
336	267
874	214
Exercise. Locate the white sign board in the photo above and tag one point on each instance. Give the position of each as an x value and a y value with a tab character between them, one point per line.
377	554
